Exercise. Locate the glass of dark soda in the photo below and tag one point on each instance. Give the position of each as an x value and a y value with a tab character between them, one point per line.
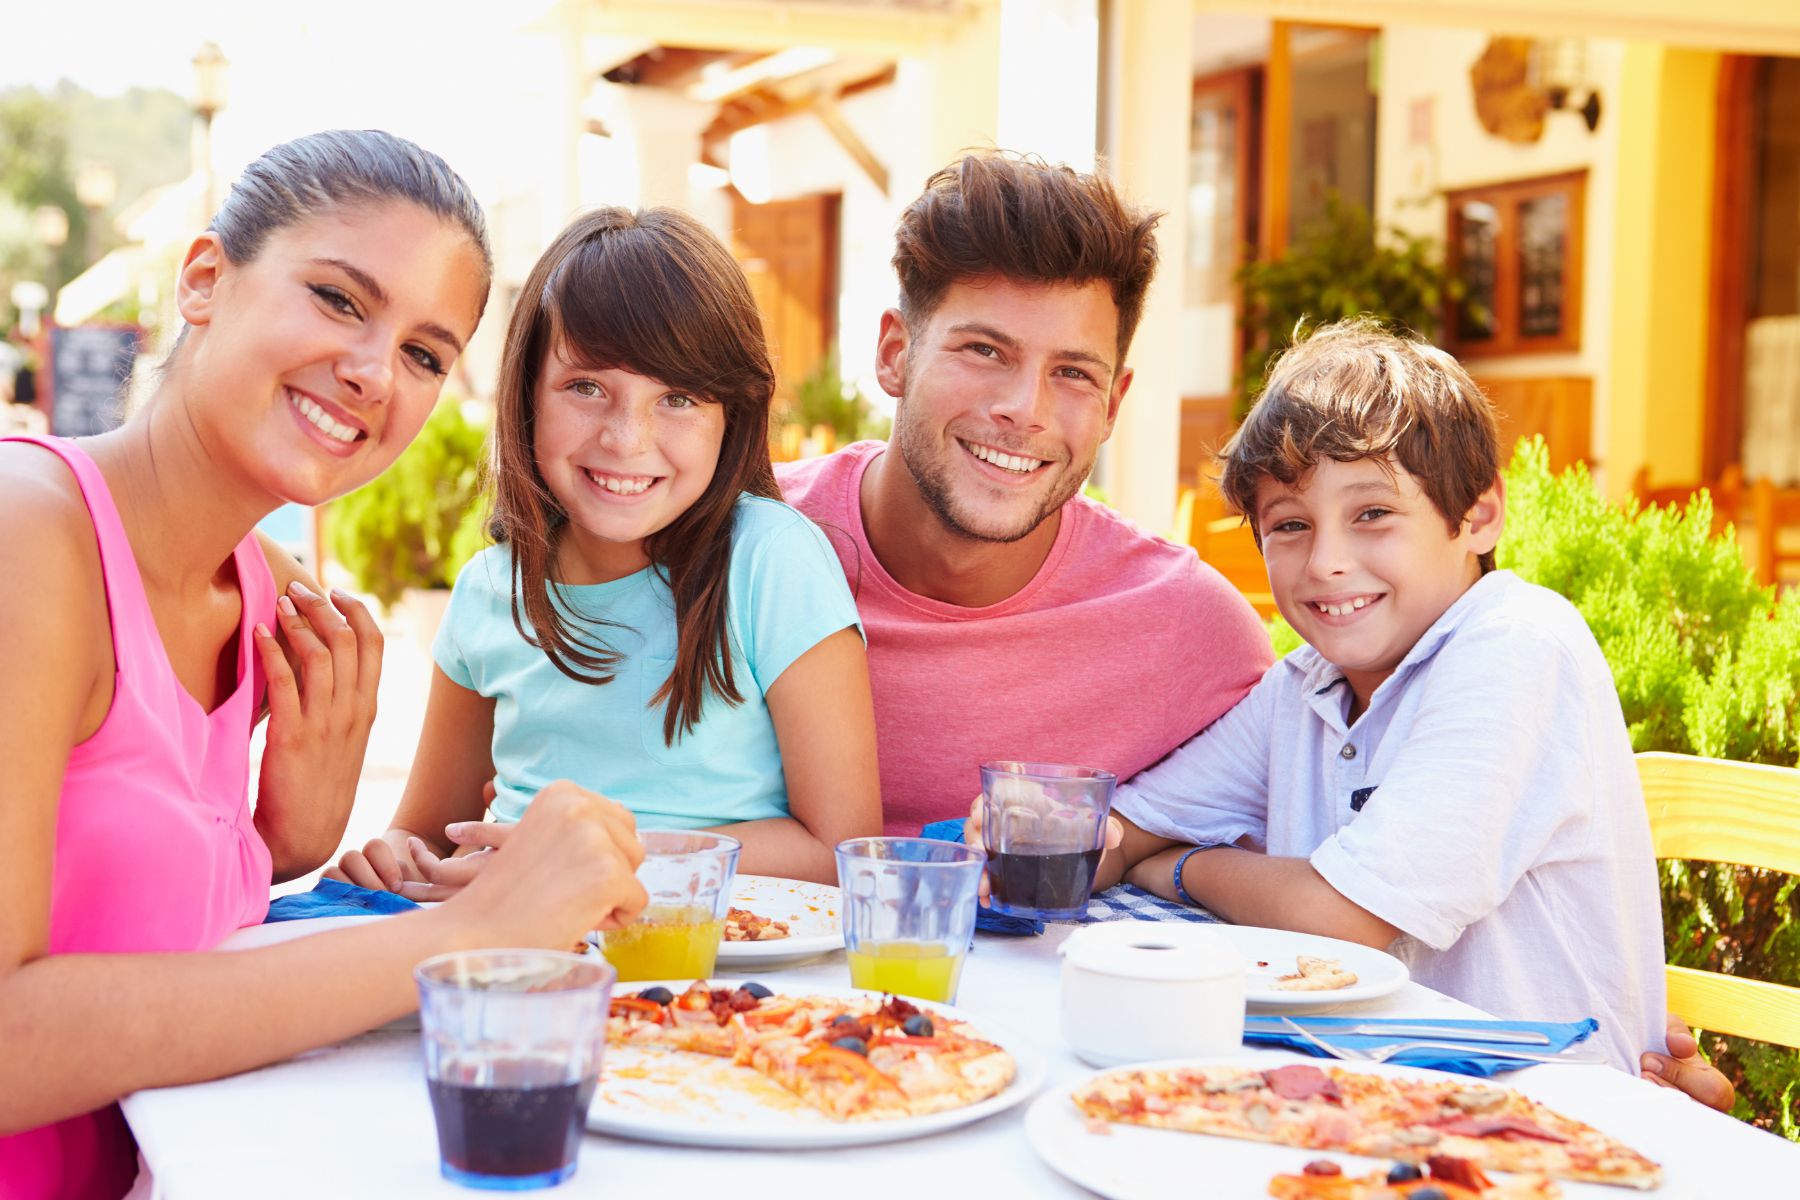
1044	826
513	1041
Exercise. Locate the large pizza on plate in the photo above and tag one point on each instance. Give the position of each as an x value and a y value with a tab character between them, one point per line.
850	1057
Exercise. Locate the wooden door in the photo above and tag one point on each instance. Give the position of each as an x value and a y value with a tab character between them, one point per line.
789	251
1223	190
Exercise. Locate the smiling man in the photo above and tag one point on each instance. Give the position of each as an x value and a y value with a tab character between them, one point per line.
1007	615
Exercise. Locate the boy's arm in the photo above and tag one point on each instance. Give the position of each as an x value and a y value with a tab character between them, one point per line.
1248	888
1213	788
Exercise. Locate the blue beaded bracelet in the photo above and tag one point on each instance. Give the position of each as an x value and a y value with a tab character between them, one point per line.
1181	892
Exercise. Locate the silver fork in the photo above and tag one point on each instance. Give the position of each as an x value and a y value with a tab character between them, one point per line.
1381	1054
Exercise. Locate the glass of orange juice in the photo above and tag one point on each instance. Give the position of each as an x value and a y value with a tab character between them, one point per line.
908	912
688	876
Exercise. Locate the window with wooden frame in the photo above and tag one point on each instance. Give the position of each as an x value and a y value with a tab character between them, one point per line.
1517	249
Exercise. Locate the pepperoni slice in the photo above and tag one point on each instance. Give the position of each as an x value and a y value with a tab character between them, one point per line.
1301	1082
1500	1127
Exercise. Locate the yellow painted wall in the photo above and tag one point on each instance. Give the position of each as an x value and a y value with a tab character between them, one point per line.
1662	228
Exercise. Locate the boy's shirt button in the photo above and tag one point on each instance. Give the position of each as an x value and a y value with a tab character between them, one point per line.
1348	752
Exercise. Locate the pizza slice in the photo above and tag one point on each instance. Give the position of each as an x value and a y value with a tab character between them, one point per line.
742	925
1443	1178
1407	1118
1316	975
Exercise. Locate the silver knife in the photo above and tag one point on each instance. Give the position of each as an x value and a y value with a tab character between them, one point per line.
1504	1037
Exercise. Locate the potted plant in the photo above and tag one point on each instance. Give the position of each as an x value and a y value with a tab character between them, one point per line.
824	412
1340	266
405	535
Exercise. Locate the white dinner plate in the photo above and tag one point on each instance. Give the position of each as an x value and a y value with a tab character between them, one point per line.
1131	1162
688	1099
1378	973
810	911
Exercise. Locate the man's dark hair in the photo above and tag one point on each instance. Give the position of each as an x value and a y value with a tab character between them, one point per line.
1018	217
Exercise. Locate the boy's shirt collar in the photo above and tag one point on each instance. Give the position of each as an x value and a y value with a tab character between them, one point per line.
1321	679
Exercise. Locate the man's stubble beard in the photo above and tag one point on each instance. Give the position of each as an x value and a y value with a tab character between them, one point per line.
930	474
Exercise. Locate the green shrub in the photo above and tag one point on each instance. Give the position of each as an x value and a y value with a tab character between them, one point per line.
417	523
826	398
1707	662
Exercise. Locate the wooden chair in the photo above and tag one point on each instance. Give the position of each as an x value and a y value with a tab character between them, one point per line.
1727	495
1225	543
1727	812
1772	511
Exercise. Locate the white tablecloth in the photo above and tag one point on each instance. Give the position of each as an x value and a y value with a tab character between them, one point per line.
354	1120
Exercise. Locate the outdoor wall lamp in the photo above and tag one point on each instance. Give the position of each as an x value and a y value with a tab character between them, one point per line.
1560	69
1517	82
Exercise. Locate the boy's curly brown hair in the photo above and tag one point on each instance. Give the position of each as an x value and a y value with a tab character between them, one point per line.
1354	390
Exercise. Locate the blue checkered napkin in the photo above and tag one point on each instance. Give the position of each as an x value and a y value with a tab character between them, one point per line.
1129	903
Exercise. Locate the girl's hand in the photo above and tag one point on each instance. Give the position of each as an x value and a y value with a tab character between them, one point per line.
321	707
441	878
566	868
382	865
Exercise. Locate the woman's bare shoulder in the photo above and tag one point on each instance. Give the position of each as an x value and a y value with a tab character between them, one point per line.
48	548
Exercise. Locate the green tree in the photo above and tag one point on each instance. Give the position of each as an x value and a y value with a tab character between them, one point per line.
34	173
45	137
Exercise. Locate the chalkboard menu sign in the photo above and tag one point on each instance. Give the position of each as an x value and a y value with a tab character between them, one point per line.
89	368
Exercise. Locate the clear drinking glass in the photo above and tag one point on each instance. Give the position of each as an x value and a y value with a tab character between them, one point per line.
513	1041
688	876
1044	825
908	913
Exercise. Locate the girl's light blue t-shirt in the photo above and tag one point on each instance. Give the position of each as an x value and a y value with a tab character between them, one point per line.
786	594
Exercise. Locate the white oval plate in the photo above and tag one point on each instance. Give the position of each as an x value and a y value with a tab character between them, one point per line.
809	909
1132	1162
688	1099
1378	973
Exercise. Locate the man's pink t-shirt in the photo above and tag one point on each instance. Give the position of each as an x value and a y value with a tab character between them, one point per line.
1122	647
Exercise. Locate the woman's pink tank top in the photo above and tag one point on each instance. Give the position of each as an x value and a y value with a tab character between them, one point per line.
155	849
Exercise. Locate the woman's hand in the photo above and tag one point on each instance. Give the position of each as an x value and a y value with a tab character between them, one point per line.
321	707
568	866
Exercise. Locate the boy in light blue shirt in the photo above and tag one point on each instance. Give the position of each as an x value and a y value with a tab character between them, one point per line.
1443	770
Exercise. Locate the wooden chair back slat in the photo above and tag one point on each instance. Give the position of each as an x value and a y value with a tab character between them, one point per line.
1746	814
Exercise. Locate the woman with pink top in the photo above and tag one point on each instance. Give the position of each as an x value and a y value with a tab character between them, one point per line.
148	629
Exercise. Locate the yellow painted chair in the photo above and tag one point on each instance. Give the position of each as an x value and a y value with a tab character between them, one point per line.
1711	810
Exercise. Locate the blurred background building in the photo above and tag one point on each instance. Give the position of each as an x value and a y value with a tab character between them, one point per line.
1597	206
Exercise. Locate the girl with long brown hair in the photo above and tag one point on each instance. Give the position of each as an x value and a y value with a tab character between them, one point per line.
653	622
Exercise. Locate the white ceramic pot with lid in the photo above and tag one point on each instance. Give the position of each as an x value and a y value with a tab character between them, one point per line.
1133	991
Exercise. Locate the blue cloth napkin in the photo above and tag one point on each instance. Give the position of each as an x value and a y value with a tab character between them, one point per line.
1121	903
329	898
1269	1031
